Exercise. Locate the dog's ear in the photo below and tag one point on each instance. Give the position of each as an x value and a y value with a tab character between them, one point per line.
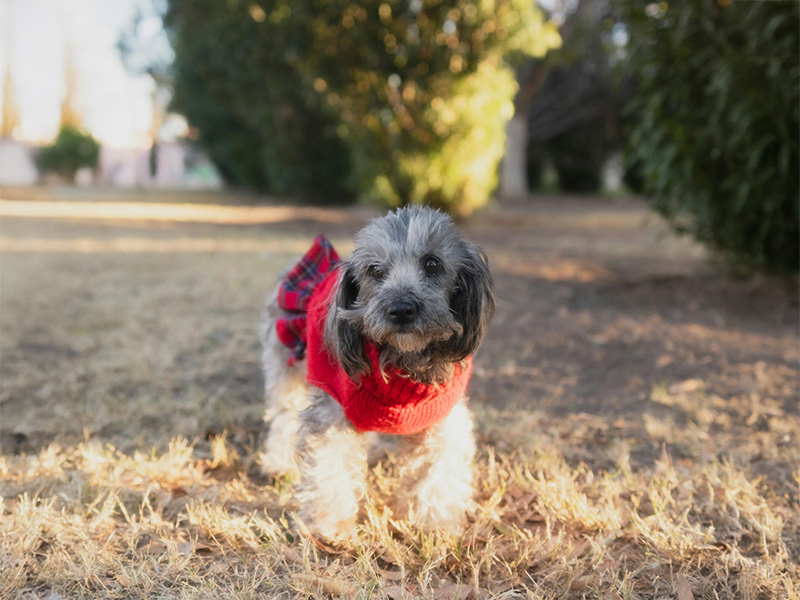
472	303
341	334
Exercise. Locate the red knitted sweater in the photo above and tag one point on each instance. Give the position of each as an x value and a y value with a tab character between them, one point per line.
396	404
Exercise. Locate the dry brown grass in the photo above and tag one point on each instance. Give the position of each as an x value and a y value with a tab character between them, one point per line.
90	521
113	358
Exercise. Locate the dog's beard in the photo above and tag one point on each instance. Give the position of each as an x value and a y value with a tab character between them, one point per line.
406	342
414	338
410	339
414	349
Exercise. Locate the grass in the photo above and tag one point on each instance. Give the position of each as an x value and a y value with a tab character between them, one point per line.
90	520
131	428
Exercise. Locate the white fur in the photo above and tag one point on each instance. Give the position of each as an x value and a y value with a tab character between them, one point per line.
286	393
436	474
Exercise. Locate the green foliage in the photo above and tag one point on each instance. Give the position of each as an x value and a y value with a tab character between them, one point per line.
535	164
424	90
715	122
579	154
237	79
72	150
410	97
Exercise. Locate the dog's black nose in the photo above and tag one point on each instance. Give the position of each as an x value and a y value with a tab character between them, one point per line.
402	312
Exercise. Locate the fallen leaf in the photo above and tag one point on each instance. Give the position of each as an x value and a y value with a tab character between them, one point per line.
154	547
398	592
579	548
503	529
185	548
393	575
151	546
292	556
684	589
334	587
453	591
201	548
534	517
504	587
664	360
686	386
716	547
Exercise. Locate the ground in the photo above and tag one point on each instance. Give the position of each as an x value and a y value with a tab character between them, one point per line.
637	411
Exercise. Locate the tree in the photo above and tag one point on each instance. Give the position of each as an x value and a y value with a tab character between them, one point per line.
71	116
523	146
425	90
145	49
715	122
568	108
237	79
409	97
574	116
72	150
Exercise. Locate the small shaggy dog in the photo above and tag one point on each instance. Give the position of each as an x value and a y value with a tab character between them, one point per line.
380	343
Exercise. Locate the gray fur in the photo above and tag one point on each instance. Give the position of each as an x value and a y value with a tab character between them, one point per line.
454	305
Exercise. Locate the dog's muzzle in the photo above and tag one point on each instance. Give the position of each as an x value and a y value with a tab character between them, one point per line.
402	312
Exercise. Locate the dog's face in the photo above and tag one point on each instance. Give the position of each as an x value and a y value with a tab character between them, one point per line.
412	285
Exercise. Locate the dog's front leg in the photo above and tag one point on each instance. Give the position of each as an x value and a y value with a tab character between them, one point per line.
436	473
287	396
333	463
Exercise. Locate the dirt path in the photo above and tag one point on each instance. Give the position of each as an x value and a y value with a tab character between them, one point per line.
599	303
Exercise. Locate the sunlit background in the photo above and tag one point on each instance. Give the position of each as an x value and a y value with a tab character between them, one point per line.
43	39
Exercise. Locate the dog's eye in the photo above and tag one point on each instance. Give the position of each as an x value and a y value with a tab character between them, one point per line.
432	265
375	271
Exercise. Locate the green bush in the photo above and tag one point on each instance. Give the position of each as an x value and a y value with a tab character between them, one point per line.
715	122
535	164
579	155
574	116
424	90
236	78
72	150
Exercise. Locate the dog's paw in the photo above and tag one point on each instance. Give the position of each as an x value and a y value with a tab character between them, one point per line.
434	507
339	534
450	520
279	466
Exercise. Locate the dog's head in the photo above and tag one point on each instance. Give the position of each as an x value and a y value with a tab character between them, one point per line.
414	287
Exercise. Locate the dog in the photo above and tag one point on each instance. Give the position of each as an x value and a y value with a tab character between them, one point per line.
386	349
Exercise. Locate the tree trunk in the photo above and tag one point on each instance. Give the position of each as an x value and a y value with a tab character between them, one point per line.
513	172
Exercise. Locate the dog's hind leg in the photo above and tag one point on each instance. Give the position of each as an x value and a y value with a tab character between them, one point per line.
286	395
333	464
436	473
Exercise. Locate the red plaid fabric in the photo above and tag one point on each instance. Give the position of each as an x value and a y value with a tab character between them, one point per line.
295	292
